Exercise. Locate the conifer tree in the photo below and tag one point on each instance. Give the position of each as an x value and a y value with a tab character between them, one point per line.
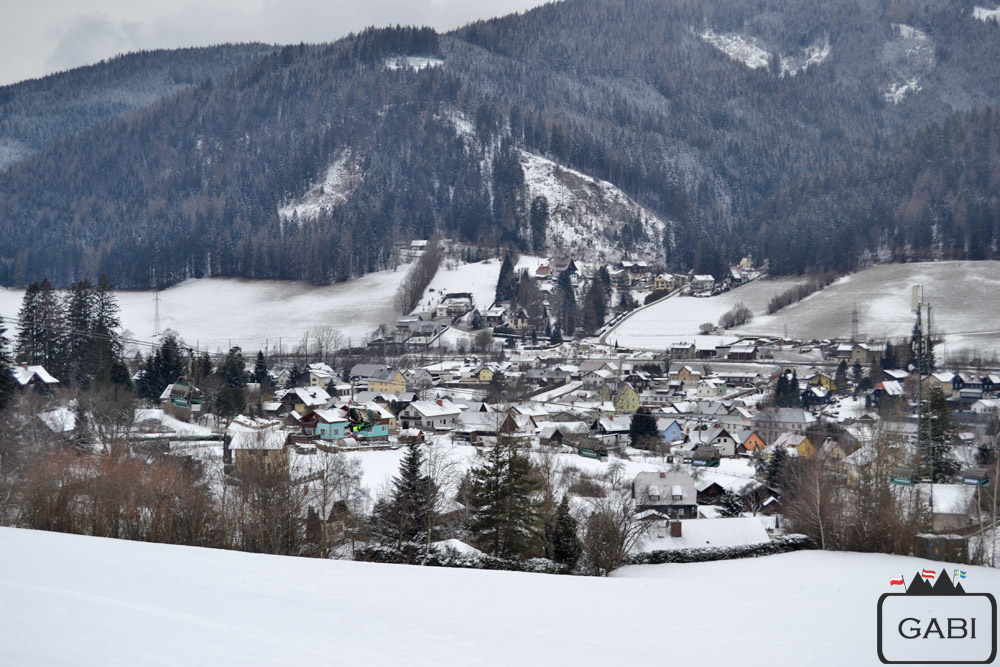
730	505
7	382
642	431
406	515
507	282
505	518
775	469
563	538
937	462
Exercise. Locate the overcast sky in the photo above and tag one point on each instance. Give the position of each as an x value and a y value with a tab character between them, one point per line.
38	37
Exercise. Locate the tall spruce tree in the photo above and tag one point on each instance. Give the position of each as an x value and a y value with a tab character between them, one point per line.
505	519
78	306
232	399
937	461
105	343
563	539
406	515
507	282
7	383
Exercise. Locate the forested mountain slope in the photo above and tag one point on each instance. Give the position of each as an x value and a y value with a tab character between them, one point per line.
713	116
34	113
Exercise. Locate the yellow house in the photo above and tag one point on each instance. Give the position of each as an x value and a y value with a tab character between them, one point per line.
824	381
626	399
662	283
797	443
482	374
387	382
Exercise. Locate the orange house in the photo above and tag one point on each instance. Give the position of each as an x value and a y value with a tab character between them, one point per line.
749	442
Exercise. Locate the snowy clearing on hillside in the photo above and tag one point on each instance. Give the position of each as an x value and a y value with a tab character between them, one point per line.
341	178
814	54
677	319
587	217
72	600
738	48
985	14
213	313
911	54
415	63
479	279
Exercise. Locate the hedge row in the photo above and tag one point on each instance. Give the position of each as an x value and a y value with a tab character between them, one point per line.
410	553
703	554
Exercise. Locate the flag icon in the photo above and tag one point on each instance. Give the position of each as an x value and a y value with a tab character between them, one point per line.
898	582
928	574
960	574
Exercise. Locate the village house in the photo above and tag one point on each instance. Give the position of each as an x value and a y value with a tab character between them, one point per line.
324	424
257	446
440	415
32	376
181	400
671	493
387	381
797	444
302	399
702	283
320	375
663	283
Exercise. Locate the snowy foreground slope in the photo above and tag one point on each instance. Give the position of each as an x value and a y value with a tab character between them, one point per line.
70	600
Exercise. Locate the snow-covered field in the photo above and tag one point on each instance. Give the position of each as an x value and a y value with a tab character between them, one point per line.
214	312
480	279
677	319
965	297
71	600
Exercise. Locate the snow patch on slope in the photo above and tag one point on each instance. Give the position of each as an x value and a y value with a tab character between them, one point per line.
814	54
737	47
984	14
415	63
587	217
911	55
341	178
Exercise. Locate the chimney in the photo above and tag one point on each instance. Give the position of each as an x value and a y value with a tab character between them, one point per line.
675	528
663	475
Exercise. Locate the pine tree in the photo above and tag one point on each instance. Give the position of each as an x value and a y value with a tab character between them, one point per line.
840	377
539	220
7	383
642	430
105	344
78	304
507	282
28	346
775	469
504	513
50	329
730	505
889	361
260	374
406	515
937	462
232	400
564	541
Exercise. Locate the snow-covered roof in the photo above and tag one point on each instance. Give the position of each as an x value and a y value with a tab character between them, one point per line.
432	409
311	396
24	375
